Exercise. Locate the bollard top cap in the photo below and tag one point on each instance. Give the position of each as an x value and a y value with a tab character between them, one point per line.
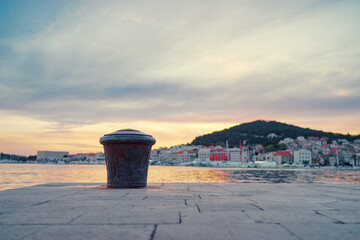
127	136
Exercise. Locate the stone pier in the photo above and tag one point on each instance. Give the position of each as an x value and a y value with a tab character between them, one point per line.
182	211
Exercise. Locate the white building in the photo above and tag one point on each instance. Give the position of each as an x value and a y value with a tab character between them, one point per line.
272	135
282	157
100	156
267	157
154	155
244	153
302	156
204	154
287	141
182	156
343	141
300	139
51	155
333	160
166	155
234	154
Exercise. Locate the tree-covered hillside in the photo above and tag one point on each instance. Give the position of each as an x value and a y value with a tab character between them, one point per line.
257	132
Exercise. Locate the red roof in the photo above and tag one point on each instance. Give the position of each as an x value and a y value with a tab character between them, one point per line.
282	153
313	138
89	154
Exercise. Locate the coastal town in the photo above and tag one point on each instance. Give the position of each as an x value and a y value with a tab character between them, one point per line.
299	152
289	152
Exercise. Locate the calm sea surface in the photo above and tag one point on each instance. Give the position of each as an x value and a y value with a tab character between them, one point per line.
23	175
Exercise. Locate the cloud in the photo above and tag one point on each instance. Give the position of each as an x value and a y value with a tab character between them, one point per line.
92	62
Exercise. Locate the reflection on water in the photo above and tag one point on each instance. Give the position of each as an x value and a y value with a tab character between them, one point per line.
186	174
295	176
22	175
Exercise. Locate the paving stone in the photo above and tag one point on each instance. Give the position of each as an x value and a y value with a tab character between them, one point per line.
214	217
211	189
344	205
78	232
168	207
45	217
220	200
288	216
13	200
7	206
319	231
16	232
259	231
181	211
192	231
59	205
130	217
291	206
222	231
174	197
343	216
227	207
147	202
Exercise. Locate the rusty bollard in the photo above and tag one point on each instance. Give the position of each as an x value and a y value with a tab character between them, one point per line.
127	154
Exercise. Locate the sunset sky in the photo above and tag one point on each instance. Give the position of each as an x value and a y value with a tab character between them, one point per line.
72	71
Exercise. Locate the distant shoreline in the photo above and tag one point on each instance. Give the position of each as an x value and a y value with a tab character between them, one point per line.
214	168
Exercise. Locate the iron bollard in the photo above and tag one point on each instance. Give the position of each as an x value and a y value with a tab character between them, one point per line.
127	154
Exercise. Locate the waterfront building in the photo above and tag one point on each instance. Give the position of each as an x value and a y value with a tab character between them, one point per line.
51	155
82	156
166	156
357	148
154	155
182	156
244	153
100	157
193	154
300	151
332	160
234	154
267	157
302	156
218	154
282	157
347	158
204	153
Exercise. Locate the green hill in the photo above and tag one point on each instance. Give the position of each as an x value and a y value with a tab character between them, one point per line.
256	133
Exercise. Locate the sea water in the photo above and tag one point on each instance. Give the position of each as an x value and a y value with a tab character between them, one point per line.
23	175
